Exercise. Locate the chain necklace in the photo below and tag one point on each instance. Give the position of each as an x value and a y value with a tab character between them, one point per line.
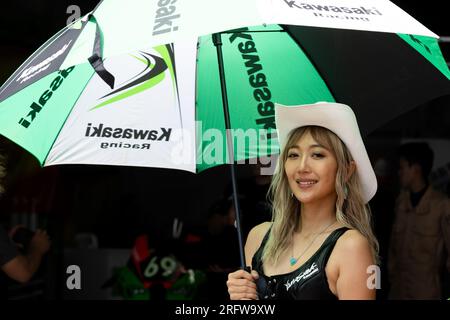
293	260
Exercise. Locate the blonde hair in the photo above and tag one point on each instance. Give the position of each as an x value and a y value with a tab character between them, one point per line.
352	212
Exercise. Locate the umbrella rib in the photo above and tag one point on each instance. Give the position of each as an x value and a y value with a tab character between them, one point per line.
96	7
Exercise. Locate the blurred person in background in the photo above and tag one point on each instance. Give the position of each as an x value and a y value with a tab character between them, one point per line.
421	231
21	251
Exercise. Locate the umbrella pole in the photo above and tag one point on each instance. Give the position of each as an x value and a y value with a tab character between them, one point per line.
217	40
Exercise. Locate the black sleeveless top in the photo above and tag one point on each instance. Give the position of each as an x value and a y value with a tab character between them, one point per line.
308	282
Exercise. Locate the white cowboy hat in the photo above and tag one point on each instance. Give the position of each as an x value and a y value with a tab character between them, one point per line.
338	118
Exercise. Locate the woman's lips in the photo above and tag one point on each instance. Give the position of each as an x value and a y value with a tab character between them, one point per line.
306	184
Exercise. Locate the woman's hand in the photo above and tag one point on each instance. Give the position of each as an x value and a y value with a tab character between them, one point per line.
242	285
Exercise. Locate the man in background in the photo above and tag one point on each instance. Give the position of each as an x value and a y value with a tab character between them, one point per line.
420	235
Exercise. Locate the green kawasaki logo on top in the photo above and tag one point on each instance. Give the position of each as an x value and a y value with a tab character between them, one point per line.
37	106
147	79
257	79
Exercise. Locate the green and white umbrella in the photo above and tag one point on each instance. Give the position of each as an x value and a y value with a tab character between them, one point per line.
146	82
368	54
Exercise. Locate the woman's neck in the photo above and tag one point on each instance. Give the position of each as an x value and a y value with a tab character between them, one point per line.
316	216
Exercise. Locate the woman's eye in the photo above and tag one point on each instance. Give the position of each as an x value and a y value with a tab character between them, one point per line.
318	155
292	155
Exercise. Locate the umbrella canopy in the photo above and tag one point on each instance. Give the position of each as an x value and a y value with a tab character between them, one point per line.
140	108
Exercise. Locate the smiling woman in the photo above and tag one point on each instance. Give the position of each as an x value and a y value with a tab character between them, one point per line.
310	167
319	244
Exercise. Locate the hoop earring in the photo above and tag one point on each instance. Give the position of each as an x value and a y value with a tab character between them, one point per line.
292	194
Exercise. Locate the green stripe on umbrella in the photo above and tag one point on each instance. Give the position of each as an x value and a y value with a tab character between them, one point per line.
428	48
47	101
256	77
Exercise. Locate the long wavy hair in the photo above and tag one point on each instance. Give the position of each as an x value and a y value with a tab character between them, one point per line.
351	210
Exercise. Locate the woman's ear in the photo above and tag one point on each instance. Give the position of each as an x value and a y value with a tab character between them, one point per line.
351	170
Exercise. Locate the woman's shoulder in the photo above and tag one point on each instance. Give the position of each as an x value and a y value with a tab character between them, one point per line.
255	237
351	249
351	238
258	232
352	242
348	266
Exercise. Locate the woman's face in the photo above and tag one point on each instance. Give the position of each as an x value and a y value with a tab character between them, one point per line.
311	170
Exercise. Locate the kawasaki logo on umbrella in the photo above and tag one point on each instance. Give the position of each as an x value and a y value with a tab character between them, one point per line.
101	131
256	78
42	66
335	9
36	107
165	17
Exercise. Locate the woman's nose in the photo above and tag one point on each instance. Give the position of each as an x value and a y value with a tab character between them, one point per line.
303	164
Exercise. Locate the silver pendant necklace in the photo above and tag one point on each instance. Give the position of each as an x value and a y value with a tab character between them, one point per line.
293	260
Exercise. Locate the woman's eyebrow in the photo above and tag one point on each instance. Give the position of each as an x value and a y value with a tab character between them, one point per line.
316	145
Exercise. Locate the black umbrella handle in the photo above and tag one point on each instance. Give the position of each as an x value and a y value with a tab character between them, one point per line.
217	40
